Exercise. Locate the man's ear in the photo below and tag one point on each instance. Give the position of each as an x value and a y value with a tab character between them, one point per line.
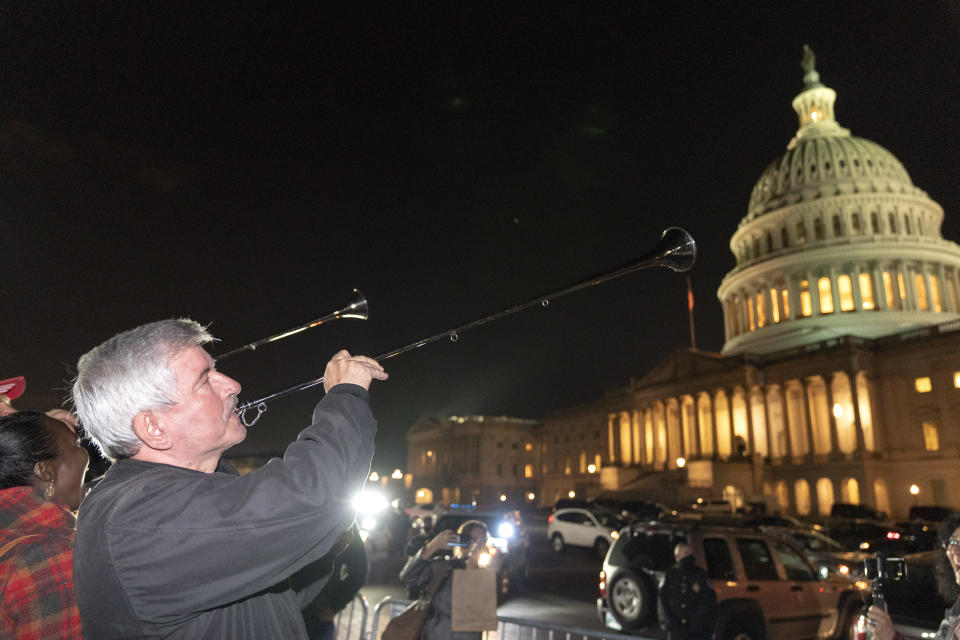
150	431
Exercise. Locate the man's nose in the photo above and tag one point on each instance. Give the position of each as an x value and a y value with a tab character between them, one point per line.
228	385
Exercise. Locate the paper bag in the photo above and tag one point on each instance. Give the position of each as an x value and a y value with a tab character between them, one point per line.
474	600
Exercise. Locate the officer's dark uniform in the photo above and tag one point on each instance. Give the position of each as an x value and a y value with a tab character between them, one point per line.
689	602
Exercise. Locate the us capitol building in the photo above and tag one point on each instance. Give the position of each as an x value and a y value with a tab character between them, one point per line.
839	378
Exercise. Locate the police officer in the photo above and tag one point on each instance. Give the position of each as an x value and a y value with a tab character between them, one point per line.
689	602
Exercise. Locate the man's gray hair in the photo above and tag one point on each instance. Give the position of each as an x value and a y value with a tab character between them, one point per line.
127	374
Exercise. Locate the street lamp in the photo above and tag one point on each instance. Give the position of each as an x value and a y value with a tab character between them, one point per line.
397	474
531	496
374	476
591	468
572	494
681	463
914	489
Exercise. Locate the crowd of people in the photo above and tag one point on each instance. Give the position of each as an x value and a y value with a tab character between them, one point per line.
174	543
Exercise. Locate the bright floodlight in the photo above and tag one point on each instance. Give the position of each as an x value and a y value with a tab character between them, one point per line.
505	530
370	501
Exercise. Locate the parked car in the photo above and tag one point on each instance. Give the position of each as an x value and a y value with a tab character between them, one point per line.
766	588
591	528
847	510
507	543
868	535
828	555
631	509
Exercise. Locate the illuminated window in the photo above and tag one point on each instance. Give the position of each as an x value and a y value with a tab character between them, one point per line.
761	311
528	471
902	286
826	295
786	303
935	293
753	324
801	492
801	233
845	291
921	291
806	306
528	446
923	385
866	291
931	439
824	495
956	379
774	307
888	289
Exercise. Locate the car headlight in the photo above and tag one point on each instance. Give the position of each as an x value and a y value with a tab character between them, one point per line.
505	530
843	570
614	534
368	523
369	501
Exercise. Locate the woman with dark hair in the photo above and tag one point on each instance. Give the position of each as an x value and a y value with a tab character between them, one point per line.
41	483
948	578
437	559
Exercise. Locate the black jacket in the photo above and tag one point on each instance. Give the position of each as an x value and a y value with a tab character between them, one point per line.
689	601
164	551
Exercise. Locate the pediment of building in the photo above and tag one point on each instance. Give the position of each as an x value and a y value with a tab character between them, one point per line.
684	364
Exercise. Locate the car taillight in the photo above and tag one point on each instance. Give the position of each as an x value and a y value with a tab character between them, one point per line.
893	535
550	519
603	584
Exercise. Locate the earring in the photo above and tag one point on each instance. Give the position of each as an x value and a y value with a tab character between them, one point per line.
48	491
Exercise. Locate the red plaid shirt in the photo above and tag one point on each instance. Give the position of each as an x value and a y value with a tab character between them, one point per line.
36	575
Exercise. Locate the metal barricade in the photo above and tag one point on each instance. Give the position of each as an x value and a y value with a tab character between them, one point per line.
508	628
351	622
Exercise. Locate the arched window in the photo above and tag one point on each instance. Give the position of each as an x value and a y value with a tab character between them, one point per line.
784	238
850	491
783	495
874	222
801	232
761	311
817	229
824	496
806	305
866	291
837	227
769	242
881	496
845	291
921	290
892	220
931	436
906	224
801	492
855	224
826	295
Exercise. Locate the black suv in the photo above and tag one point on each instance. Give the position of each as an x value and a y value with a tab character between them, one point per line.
766	587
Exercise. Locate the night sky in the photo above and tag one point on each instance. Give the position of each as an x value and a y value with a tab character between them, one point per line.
248	166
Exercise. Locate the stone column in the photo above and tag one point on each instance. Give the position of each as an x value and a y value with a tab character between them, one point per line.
834	293
857	426
813	287
910	304
793	296
713	425
881	291
855	284
834	437
698	445
946	304
811	441
926	283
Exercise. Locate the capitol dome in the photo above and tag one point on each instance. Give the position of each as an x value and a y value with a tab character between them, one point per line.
837	241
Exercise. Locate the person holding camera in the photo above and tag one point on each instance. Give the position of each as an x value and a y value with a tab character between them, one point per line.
948	579
447	551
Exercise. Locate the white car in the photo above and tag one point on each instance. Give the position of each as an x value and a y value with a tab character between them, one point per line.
588	528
